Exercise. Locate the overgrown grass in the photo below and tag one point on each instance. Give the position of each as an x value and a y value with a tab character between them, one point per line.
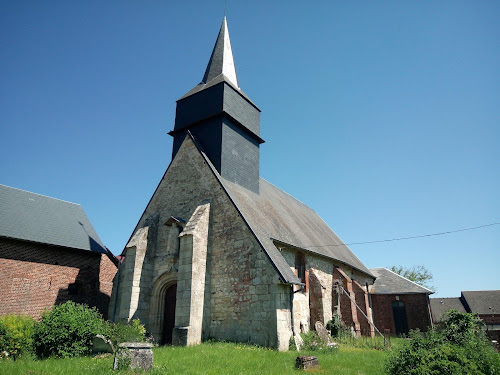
213	358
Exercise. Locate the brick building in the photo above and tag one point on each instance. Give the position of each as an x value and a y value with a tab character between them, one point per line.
484	303
399	305
49	254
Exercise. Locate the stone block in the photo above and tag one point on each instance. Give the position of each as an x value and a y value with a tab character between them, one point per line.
304	362
134	355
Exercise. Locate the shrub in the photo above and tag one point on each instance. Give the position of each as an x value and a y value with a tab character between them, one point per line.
123	332
335	326
458	347
310	342
16	333
67	330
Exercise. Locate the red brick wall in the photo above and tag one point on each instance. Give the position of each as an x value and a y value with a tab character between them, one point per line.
360	301
417	312
34	277
345	302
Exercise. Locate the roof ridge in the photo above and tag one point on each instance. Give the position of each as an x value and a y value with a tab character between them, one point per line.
408	279
41	195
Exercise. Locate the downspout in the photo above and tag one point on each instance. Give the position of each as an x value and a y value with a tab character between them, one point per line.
430	312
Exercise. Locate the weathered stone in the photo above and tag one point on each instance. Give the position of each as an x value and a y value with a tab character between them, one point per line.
101	344
305	362
134	355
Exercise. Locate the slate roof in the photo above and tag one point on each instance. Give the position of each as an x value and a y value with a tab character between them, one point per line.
221	61
440	305
482	301
389	282
38	218
274	215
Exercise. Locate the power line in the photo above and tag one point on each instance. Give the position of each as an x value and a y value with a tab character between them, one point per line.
410	237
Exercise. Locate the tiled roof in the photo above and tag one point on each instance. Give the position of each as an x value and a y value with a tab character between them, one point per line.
440	305
38	218
482	301
275	215
388	282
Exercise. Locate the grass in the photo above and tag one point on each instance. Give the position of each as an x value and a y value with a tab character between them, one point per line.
213	358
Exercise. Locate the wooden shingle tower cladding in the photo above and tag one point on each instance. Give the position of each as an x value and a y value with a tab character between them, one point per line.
223	120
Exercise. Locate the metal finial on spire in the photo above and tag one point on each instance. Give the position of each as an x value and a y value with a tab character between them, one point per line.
221	61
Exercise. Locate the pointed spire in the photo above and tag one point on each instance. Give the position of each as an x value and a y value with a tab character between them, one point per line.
221	61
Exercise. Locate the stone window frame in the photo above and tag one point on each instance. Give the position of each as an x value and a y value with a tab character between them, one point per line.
301	272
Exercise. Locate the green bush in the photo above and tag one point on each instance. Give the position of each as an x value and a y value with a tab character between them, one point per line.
16	333
311	342
123	332
457	347
67	330
335	326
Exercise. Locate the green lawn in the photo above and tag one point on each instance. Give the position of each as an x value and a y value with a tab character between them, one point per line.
213	358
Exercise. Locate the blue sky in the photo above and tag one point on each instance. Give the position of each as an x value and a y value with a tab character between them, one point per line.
382	116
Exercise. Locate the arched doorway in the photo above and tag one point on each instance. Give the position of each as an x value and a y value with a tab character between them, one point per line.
169	314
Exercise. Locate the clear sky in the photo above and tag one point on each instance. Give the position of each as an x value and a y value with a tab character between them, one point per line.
383	116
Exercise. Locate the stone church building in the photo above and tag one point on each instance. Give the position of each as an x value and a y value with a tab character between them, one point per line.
220	252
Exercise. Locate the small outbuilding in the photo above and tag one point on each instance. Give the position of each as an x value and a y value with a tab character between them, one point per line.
399	305
49	254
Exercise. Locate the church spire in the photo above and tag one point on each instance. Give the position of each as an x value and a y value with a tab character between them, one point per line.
221	61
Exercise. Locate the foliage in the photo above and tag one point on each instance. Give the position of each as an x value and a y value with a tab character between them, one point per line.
458	347
418	274
123	332
16	335
311	342
67	330
335	326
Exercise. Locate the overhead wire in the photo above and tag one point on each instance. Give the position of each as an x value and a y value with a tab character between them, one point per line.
409	237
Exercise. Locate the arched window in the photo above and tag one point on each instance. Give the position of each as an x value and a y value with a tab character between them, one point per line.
300	268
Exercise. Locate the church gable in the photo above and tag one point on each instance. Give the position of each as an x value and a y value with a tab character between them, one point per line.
240	282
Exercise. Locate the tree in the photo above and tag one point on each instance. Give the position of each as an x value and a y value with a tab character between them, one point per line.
418	274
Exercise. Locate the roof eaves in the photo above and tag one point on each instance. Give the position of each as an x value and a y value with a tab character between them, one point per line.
321	255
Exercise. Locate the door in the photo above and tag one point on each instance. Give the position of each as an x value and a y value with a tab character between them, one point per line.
169	315
399	311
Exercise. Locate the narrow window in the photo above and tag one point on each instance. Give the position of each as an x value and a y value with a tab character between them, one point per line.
300	268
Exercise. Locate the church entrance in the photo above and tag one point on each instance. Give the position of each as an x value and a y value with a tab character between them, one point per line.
169	315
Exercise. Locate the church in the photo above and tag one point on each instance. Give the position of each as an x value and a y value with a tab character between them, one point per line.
221	253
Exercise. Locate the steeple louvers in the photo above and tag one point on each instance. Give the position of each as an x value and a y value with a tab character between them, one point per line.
221	61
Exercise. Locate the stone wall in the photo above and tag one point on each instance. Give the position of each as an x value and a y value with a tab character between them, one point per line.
319	301
242	300
34	277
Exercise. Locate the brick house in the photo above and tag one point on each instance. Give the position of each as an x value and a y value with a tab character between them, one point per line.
484	303
220	252
49	254
399	305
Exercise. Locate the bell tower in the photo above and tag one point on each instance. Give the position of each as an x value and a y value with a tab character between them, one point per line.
223	120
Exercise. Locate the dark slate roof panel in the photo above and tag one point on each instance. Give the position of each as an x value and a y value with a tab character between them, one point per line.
483	301
440	305
388	282
275	215
38	218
